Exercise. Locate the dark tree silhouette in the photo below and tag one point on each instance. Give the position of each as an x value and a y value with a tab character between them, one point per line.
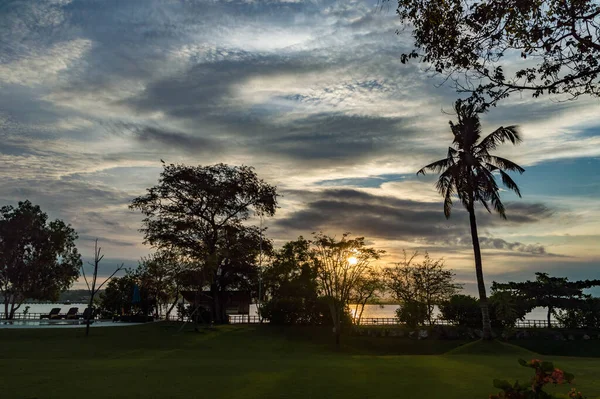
473	42
551	292
194	209
38	258
468	173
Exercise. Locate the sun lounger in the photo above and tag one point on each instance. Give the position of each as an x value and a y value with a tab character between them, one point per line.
87	313
72	313
54	314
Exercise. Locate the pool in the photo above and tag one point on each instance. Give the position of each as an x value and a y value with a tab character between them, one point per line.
22	324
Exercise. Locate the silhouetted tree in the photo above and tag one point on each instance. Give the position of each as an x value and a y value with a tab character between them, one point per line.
93	290
550	292
341	264
291	287
368	289
473	43
419	286
468	173
194	210
38	258
160	271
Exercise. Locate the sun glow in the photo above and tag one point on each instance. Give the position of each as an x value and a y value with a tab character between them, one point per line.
352	260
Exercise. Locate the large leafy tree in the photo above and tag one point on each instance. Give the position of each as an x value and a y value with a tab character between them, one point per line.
476	44
38	257
468	172
549	292
195	209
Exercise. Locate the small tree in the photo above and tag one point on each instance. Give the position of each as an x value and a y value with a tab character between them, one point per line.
38	258
341	264
93	290
367	290
550	292
427	283
291	286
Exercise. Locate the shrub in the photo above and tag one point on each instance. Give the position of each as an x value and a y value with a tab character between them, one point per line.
545	373
462	310
412	313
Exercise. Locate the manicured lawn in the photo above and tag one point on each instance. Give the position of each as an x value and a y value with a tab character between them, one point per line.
154	361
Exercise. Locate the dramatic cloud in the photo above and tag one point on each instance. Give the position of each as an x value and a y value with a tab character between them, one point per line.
406	220
311	93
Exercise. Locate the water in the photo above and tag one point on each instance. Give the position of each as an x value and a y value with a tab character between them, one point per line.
371	311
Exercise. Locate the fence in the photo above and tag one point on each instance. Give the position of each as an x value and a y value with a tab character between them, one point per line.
386	321
29	316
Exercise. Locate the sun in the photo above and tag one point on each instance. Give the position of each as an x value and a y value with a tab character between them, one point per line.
352	260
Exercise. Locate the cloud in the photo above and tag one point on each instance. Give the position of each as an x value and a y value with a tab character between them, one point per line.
421	223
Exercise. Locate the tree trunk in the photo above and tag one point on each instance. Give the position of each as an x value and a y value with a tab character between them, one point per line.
6	307
549	313
485	315
90	314
338	329
168	314
216	311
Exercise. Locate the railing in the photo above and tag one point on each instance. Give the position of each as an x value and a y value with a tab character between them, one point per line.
33	316
245	319
387	321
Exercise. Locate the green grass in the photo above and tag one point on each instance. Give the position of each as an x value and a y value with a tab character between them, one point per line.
154	361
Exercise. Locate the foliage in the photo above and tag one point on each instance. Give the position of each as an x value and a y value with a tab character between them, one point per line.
117	298
340	265
468	173
507	309
474	44
412	313
200	212
290	283
159	272
545	374
586	314
551	292
38	258
369	288
462	310
420	286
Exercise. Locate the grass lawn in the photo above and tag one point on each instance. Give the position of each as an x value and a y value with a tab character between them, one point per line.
154	361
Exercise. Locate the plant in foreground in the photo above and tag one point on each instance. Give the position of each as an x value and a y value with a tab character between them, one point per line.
545	373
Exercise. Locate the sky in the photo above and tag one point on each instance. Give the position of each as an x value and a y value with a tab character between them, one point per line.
310	93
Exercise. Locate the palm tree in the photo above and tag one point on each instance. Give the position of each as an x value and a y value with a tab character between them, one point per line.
468	173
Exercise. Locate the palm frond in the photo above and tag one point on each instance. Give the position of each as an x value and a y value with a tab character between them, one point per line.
504	164
448	202
499	136
436	167
497	203
509	182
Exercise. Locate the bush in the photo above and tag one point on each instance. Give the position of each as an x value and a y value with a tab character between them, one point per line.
462	310
295	310
585	315
412	313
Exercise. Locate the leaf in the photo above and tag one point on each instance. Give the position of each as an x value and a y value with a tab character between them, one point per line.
502	384
523	363
548	367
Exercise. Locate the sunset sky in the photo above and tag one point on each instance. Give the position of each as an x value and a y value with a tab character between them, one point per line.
310	93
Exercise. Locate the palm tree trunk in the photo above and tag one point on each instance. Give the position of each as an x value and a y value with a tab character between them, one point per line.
485	314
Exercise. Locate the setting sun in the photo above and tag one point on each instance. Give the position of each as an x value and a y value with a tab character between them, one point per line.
352	260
